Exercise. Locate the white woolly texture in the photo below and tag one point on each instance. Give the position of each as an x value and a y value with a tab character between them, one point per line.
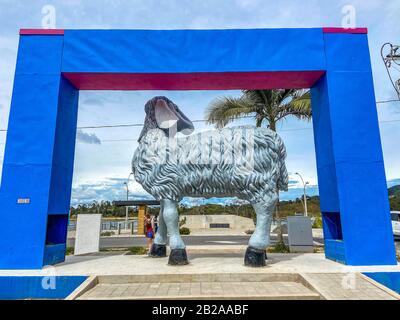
245	162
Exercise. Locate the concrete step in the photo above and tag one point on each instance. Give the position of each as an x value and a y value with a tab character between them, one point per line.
201	290
200	286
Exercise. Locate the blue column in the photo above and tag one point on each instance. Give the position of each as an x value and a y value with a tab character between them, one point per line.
42	123
351	173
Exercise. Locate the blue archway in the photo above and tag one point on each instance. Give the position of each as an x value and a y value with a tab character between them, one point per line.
53	65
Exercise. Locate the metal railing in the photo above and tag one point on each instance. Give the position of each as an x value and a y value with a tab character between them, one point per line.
109	225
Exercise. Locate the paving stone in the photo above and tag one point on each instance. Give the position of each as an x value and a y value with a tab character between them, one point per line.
200	289
331	286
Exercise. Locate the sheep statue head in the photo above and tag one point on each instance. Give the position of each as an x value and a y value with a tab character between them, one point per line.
244	162
162	113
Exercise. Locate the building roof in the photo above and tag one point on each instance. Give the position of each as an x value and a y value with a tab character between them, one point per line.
136	203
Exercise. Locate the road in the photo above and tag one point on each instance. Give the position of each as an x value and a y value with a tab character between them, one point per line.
124	242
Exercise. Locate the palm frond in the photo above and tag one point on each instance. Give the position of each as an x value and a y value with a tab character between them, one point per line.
223	110
269	105
299	106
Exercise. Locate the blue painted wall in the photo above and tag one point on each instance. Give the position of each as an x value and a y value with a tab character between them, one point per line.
153	51
38	161
351	172
388	279
64	150
58	287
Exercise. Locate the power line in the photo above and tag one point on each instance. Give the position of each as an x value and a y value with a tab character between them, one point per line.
283	130
113	126
196	121
387	101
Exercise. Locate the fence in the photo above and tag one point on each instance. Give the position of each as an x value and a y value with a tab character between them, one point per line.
109	225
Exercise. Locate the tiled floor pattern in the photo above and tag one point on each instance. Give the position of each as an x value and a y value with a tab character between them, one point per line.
346	286
202	290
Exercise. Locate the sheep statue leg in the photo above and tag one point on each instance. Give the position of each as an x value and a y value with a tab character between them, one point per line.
255	253
178	254
159	247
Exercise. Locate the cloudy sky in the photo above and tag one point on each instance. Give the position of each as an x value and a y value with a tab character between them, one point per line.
103	156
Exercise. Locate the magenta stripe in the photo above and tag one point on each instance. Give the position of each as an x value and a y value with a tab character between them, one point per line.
343	30
23	32
194	81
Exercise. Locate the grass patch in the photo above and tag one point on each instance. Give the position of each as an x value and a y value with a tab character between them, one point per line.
317	223
107	233
137	251
319	249
279	248
114	250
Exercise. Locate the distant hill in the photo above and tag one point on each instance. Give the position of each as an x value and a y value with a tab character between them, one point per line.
394	191
286	208
394	197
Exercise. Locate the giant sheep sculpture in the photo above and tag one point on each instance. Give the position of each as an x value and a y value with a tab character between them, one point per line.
243	162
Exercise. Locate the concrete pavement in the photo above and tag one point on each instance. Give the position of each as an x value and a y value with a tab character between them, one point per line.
140	277
231	286
120	264
209	240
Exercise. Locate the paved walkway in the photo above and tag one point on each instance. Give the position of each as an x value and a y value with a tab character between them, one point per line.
131	277
265	286
351	286
201	290
199	263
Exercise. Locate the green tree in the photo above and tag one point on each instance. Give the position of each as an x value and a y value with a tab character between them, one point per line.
270	106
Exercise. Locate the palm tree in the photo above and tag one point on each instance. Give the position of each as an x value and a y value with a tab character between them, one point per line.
265	105
269	105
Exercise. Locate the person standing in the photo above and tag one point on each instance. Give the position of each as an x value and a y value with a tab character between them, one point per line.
149	230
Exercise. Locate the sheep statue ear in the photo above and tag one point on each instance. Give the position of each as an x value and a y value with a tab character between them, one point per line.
165	117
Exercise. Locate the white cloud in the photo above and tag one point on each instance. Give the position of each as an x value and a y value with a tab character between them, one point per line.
89	138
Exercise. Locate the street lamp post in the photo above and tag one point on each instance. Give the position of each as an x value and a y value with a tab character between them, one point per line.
304	193
127	199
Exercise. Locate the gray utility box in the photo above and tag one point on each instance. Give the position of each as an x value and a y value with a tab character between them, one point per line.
87	237
300	234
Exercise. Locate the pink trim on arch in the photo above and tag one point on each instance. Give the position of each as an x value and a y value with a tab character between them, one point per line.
25	32
344	30
194	81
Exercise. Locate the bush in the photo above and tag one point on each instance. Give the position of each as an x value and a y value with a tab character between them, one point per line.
317	223
184	231
182	222
69	251
137	251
